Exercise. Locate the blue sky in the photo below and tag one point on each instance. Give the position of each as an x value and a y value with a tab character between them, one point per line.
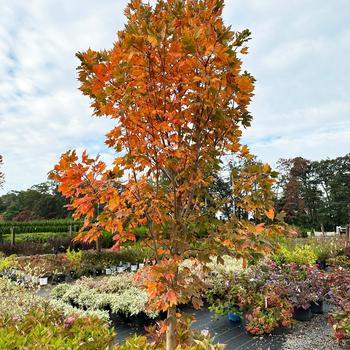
299	54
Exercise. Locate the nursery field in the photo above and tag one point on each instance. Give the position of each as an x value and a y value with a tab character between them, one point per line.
37	237
299	295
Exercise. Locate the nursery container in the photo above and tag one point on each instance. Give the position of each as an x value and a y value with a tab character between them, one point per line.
301	314
108	271
141	265
120	269
58	278
322	264
234	317
98	271
133	267
317	307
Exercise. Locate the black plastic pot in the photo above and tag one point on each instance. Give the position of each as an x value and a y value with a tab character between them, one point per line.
317	307
58	278
322	264
300	314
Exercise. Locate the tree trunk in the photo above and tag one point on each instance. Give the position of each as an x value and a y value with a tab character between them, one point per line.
170	333
98	245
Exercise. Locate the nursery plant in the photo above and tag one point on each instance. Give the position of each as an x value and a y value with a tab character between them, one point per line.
45	328
173	83
339	296
119	294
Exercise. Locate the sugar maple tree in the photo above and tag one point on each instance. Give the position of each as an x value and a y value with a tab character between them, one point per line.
174	85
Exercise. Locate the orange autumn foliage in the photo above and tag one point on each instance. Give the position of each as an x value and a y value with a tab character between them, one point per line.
173	83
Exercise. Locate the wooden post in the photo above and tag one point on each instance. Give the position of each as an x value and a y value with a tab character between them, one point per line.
13	236
70	231
347	235
323	231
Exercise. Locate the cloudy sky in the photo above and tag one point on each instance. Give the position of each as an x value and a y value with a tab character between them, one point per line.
299	54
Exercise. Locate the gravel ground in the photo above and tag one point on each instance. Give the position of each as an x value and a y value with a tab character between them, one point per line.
313	335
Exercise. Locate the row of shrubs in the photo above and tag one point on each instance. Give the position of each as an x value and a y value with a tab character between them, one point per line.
72	264
267	296
56	239
311	251
48	243
60	225
34	323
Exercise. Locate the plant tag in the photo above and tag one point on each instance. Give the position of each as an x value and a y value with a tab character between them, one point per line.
43	281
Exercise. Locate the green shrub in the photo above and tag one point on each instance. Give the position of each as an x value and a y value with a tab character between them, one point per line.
340	261
303	254
75	257
302	232
35	226
107	239
8	262
45	328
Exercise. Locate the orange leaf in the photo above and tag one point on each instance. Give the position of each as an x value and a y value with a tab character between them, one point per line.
171	296
260	228
270	213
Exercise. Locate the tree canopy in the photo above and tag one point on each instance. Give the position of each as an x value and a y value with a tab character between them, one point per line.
174	85
315	193
41	201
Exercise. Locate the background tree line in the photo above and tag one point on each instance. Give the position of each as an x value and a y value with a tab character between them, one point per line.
314	193
311	193
41	201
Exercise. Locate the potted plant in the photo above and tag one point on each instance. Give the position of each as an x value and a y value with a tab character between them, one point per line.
223	296
300	292
320	288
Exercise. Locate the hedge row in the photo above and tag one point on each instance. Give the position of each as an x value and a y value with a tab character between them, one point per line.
39	226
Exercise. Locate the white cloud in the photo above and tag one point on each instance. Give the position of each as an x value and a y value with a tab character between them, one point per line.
299	54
